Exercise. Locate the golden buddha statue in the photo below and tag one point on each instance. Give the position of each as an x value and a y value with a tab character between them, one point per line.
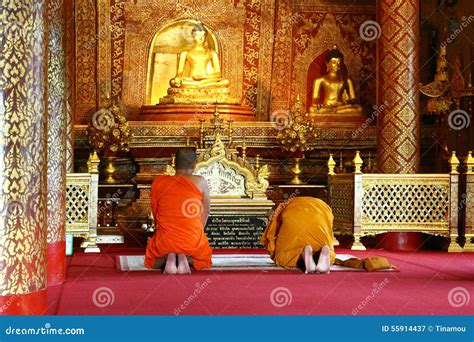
339	94
198	78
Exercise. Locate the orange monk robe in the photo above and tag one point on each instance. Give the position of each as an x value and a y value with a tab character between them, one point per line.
300	222
176	203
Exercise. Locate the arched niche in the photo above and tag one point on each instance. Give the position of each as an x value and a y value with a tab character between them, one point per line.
168	42
317	69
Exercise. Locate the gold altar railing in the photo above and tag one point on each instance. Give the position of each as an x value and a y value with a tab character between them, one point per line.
468	201
81	205
366	204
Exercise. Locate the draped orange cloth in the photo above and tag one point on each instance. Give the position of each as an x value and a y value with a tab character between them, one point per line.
300	222
176	203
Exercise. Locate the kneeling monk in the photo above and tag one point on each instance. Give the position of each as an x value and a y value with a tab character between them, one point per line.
300	234
180	206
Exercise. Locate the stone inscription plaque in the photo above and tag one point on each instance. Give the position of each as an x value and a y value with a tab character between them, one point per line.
235	231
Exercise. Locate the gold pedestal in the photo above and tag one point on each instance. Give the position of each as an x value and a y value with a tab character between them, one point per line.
195	112
469	246
296	171
109	171
199	95
352	120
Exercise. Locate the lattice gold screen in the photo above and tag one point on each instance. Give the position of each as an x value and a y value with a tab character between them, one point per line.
405	204
77	204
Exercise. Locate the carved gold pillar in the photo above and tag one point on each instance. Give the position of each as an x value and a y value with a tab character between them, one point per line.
23	163
281	72
103	52
56	253
398	140
69	45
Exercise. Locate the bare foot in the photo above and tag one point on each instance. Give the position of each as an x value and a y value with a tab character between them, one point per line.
183	265
324	261
309	264
170	267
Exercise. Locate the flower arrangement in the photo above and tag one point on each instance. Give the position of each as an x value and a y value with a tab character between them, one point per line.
109	132
300	132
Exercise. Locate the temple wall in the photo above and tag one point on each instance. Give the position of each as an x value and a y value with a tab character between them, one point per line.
266	47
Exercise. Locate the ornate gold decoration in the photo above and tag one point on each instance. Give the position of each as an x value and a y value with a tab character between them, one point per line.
23	144
377	203
397	74
93	163
117	20
104	69
56	123
109	131
439	101
469	204
454	163
469	163
296	171
256	134
108	134
109	171
259	37
357	161
81	204
236	186
407	203
323	27
331	165
298	136
281	71
339	93
69	45
233	175
198	77
300	133
143	19
86	59
226	172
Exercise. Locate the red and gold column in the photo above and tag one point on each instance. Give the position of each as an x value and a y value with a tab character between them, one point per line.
69	46
57	126
398	124
23	157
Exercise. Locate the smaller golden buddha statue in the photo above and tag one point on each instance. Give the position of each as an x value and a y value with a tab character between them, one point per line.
198	78
339	94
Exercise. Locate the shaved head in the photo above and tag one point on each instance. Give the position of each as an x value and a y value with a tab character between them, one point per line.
185	159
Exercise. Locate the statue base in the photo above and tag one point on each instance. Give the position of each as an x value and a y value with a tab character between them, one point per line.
195	112
340	120
199	95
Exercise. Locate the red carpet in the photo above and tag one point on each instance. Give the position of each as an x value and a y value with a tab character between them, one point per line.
428	283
